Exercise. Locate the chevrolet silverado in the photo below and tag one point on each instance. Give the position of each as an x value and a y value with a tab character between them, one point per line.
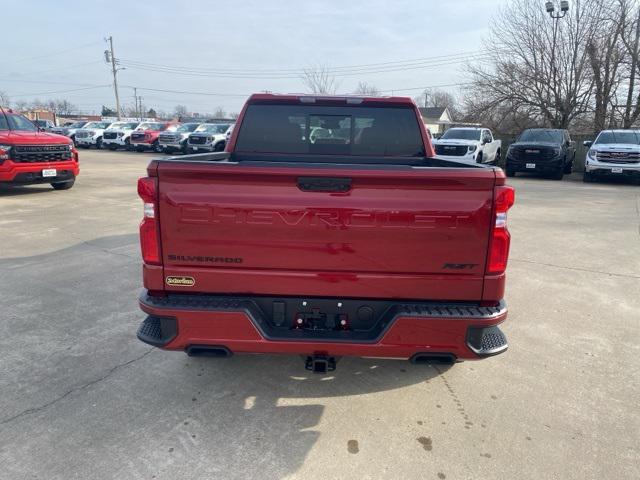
29	156
355	242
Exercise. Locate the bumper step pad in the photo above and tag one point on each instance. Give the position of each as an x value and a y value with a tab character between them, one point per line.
486	341
157	331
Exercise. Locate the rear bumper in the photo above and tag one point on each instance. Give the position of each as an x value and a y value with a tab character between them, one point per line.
240	324
30	173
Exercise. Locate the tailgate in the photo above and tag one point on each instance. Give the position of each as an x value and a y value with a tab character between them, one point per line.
393	233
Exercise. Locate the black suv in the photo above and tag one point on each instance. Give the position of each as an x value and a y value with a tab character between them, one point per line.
541	150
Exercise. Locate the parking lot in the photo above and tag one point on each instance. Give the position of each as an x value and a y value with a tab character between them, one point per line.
82	398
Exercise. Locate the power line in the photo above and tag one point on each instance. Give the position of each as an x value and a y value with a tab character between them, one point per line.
59	68
195	73
33	94
59	52
445	85
17	80
185	92
257	71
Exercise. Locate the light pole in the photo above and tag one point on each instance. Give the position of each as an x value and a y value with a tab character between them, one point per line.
551	8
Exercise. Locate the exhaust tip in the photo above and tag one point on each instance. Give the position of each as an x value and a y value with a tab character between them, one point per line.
433	358
216	351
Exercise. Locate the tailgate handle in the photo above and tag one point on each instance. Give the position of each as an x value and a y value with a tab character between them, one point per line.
324	184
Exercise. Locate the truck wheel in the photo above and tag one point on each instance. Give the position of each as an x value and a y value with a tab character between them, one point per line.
558	175
496	161
99	143
155	147
184	149
63	185
479	158
113	146
139	149
127	144
568	167
219	147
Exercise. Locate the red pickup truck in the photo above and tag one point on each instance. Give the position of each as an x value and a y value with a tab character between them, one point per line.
327	228
29	156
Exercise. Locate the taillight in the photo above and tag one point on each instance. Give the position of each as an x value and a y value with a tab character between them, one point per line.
149	234
504	197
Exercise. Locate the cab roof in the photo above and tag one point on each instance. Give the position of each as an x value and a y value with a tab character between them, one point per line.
307	98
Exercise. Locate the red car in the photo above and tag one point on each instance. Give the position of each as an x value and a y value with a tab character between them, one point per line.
328	228
29	156
145	137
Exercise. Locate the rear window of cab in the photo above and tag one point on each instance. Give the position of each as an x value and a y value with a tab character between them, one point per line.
330	130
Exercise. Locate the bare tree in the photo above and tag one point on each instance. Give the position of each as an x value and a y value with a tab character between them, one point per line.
606	56
439	98
630	36
365	89
234	115
320	80
179	111
537	65
5	101
219	113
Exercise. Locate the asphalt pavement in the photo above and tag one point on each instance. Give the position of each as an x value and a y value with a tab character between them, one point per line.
82	398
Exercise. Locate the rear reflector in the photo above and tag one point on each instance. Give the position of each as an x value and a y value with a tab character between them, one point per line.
504	197
149	235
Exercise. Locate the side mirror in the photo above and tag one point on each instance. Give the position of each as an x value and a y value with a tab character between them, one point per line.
587	143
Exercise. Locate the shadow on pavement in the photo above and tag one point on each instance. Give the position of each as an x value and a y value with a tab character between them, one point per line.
104	405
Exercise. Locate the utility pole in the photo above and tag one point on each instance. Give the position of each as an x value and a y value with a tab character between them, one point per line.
140	108
109	56
135	99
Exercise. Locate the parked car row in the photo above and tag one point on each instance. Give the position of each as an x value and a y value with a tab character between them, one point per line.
551	152
155	136
545	151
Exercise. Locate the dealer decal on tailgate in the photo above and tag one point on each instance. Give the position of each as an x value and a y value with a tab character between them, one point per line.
181	281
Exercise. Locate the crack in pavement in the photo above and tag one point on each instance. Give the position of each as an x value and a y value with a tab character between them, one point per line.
625	275
111	371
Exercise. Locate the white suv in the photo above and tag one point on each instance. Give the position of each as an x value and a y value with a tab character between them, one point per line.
91	134
614	153
117	135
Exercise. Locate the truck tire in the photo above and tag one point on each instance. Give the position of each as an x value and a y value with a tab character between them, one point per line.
63	185
155	147
112	146
99	143
498	157
184	148
127	144
479	158
568	167
559	174
218	147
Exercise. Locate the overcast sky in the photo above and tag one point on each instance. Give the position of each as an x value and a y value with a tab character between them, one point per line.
55	46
